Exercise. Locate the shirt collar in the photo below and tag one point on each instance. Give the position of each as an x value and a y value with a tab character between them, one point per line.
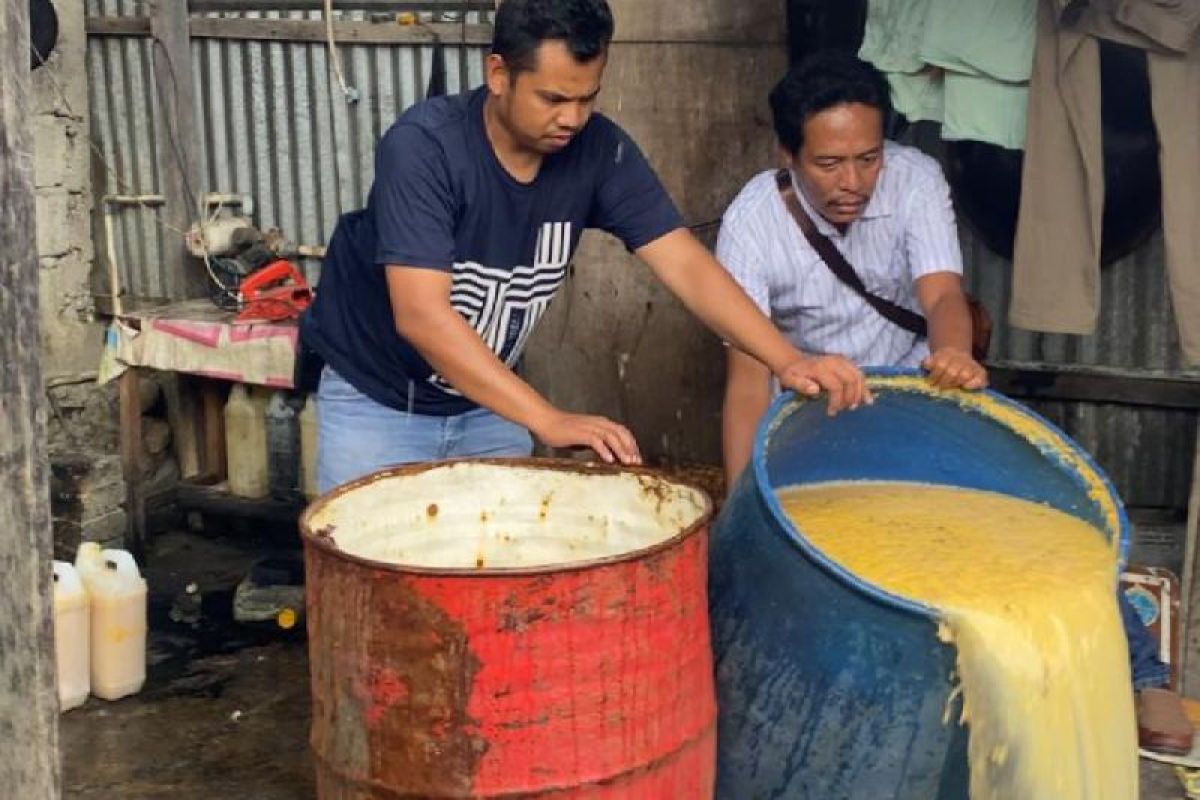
880	205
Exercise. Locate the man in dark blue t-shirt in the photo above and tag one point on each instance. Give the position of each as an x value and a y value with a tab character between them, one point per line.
428	296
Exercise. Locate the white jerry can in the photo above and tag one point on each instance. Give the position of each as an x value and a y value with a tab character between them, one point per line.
72	631
118	621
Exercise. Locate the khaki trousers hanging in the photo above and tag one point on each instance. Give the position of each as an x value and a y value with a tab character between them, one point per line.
1056	266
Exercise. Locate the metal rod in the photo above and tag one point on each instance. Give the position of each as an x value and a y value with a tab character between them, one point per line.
1092	384
303	30
345	5
110	252
111	203
133	199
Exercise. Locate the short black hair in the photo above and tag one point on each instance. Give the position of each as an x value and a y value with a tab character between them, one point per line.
521	26
821	81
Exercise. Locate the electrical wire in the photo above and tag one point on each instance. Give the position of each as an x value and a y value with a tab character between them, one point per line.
223	292
349	92
122	186
156	43
139	198
125	188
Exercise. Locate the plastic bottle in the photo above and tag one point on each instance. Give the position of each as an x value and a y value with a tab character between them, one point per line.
72	631
246	442
283	446
118	626
308	447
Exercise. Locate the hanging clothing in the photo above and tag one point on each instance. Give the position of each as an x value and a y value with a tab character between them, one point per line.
1162	26
1056	265
963	63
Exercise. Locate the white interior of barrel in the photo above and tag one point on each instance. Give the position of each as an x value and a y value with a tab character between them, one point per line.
476	516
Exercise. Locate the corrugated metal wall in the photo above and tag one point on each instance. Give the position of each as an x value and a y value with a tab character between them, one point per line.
1136	328
124	130
274	124
1147	451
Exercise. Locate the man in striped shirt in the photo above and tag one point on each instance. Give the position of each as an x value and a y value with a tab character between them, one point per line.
884	206
887	209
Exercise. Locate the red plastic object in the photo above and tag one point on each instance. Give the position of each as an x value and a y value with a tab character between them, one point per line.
276	292
591	680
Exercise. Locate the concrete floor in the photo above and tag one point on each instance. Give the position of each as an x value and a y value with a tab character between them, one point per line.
228	726
1159	782
225	709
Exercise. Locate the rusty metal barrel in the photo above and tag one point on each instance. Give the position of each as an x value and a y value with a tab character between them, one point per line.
495	628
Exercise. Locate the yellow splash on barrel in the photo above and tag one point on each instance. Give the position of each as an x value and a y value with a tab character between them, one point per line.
1027	595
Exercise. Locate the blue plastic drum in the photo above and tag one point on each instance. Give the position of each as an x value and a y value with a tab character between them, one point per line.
828	686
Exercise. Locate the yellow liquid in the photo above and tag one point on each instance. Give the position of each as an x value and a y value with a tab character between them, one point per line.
1027	595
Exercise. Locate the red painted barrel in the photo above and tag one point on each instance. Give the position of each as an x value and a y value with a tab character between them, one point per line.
531	628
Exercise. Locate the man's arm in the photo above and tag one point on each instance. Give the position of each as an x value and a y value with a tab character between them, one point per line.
693	275
747	396
424	316
950	365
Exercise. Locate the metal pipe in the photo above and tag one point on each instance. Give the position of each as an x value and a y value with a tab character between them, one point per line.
133	199
110	252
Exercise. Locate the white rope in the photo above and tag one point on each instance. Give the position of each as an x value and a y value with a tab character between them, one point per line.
349	92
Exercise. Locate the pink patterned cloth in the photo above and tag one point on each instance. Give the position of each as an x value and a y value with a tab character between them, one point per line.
197	338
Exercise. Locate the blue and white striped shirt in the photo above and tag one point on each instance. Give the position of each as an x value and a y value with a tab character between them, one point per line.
907	230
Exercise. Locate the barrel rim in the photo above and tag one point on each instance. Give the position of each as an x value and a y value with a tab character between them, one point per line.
323	542
790	399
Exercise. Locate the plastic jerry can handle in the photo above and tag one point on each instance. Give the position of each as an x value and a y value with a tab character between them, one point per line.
121	562
66	578
88	555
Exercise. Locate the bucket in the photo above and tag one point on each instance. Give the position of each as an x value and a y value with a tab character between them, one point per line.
495	628
828	686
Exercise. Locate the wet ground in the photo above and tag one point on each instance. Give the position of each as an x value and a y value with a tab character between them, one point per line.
225	709
224	712
1159	782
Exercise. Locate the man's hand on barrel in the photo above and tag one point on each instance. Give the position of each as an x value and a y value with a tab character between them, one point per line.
951	368
835	375
611	440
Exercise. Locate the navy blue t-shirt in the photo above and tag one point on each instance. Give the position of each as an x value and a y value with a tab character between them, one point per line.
441	200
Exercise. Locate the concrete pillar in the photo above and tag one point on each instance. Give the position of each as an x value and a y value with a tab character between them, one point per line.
688	80
28	700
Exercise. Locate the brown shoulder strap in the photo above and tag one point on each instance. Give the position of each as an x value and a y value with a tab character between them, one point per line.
839	266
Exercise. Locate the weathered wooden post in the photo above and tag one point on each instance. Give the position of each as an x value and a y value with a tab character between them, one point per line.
29	763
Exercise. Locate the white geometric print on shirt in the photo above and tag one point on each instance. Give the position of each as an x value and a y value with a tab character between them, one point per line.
504	305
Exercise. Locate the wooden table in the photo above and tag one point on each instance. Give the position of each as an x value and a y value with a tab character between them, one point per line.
202	344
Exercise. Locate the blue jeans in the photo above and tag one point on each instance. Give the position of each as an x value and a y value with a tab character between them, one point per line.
1148	671
357	436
